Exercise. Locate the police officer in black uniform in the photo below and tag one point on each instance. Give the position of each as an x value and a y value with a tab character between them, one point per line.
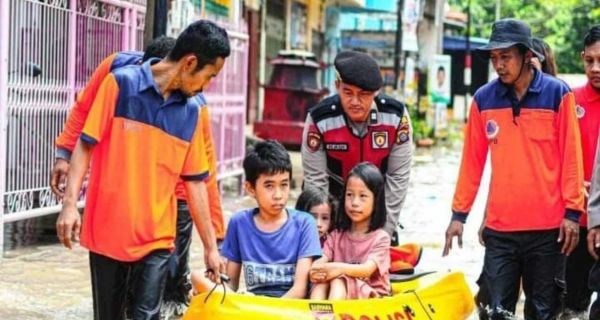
358	124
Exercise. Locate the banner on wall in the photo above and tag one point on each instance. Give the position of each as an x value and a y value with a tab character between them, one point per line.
410	22
439	91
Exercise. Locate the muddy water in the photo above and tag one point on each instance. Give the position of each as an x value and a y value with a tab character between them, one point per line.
41	280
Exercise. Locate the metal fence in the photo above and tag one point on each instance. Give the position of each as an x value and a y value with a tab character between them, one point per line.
227	98
48	50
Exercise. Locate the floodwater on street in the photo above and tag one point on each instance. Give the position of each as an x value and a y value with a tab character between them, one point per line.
39	279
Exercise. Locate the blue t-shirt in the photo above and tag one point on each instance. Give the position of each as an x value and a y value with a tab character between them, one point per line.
269	258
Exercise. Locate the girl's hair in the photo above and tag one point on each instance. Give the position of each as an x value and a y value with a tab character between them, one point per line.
312	197
549	63
373	179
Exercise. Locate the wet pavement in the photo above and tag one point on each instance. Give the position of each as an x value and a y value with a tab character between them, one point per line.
49	282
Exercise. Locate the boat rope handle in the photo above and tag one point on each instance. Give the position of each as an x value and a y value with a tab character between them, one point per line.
421	303
224	279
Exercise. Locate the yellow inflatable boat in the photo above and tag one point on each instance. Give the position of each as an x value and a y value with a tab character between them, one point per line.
443	296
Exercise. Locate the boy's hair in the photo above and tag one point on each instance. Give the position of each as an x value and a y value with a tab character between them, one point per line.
158	48
591	36
373	179
267	157
206	40
312	197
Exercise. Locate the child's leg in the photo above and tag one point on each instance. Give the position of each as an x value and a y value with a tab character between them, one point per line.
201	283
337	290
319	291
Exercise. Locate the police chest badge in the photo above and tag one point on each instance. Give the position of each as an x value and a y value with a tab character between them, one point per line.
313	141
580	111
379	140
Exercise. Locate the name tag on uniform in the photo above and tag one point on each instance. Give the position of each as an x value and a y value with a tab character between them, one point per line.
336	146
379	140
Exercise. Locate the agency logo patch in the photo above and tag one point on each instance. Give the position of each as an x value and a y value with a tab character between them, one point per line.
313	141
404	122
322	311
491	129
580	111
131	126
379	140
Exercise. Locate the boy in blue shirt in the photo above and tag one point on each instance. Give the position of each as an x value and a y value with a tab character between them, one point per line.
274	245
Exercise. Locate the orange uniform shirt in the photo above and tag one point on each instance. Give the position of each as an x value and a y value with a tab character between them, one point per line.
536	158
143	145
212	184
588	113
65	143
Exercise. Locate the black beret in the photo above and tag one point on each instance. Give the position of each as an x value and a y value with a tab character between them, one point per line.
358	69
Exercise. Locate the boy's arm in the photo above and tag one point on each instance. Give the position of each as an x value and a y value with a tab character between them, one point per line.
298	290
234	270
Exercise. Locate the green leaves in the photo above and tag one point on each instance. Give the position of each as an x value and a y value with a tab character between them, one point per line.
561	23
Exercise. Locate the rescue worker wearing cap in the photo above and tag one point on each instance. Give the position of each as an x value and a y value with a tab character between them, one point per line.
358	124
527	121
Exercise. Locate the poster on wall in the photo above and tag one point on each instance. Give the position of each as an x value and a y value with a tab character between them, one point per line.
298	26
410	21
410	82
439	91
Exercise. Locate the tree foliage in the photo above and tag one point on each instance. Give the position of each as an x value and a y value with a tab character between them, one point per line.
561	23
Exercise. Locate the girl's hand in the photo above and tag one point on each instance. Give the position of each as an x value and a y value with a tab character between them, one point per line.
316	274
325	272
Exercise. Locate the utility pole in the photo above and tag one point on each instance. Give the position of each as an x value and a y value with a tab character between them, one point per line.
262	60
468	61
498	3
398	46
160	18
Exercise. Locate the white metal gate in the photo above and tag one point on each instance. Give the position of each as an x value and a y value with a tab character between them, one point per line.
48	50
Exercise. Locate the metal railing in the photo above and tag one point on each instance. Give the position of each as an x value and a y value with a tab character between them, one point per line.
48	50
227	99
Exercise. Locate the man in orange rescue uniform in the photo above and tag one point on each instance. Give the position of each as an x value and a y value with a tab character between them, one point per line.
178	283
144	131
527	121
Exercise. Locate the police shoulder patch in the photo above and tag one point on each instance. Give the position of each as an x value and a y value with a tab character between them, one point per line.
402	135
313	141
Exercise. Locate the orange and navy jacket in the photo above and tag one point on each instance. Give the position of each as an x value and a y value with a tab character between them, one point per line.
143	145
65	143
212	185
588	113
536	159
